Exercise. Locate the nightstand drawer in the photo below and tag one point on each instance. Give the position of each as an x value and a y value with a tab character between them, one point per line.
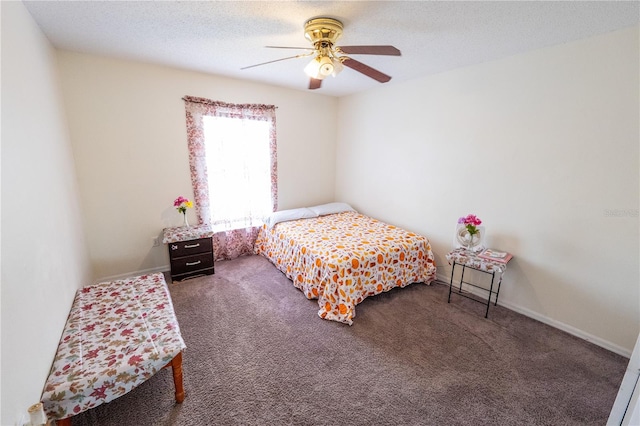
191	247
194	274
191	263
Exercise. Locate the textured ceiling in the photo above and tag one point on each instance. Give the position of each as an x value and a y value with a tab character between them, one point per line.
220	37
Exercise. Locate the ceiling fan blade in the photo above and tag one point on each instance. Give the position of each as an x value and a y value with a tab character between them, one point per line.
366	70
370	50
289	47
314	83
278	60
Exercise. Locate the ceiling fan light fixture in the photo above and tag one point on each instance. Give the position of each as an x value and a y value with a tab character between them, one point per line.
337	67
326	66
313	69
323	66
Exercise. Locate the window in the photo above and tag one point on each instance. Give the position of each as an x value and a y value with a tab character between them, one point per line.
232	156
239	171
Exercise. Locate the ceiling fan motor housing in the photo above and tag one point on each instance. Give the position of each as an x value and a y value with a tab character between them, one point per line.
323	30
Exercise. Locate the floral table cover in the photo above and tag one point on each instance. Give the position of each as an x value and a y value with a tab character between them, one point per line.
340	259
186	233
118	335
470	258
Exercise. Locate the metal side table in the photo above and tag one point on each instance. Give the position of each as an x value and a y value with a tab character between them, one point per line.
470	259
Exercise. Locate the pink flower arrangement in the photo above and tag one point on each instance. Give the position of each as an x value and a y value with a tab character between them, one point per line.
470	221
182	204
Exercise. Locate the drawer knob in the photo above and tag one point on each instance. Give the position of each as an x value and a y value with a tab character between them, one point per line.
193	263
192	245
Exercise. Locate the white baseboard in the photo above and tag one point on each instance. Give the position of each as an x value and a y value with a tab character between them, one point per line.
163	268
549	321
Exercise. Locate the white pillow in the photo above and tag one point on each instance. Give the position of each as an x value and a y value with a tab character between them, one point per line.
291	214
331	208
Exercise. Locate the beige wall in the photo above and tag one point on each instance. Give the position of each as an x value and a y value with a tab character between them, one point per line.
44	257
543	147
127	125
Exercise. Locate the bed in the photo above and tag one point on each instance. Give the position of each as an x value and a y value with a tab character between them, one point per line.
343	257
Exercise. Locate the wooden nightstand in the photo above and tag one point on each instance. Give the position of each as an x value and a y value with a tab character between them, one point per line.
190	251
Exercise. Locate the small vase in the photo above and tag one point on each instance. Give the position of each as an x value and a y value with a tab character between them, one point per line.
185	222
472	240
466	240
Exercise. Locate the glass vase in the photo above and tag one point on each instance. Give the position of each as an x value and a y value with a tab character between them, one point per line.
467	241
472	240
185	222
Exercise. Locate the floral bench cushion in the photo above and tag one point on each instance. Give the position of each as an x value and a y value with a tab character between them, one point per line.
118	335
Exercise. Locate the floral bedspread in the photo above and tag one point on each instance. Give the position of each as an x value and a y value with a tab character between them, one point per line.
341	259
118	335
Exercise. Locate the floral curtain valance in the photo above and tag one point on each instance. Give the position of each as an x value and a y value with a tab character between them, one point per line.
222	109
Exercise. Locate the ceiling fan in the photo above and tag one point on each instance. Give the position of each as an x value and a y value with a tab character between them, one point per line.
329	59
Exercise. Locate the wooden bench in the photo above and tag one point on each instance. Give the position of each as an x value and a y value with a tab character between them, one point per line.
117	336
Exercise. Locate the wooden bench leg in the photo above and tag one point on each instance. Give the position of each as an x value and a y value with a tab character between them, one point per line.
176	366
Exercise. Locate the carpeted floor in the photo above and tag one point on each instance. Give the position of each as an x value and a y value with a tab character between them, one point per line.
258	354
